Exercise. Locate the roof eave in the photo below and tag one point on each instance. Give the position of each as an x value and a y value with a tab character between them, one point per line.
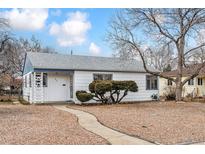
91	70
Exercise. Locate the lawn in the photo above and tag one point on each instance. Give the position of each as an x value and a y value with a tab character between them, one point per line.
159	122
42	124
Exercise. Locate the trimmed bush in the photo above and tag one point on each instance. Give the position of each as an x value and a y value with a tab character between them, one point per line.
83	96
125	85
80	91
102	87
107	91
132	86
92	86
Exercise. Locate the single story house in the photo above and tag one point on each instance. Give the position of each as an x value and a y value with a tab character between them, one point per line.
194	87
56	77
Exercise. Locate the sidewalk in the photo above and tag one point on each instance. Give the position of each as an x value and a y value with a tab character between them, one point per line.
89	122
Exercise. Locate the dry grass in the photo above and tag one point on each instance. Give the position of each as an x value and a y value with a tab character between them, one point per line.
20	124
162	122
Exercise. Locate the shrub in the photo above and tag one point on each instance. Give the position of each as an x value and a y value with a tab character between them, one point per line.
171	96
170	93
125	85
113	89
102	87
132	86
83	96
80	91
92	86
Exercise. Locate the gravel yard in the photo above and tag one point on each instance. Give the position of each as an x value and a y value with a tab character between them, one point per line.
162	122
29	124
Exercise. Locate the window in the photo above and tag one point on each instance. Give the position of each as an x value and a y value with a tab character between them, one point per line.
191	82
169	82
151	82
200	81
38	80
45	80
102	76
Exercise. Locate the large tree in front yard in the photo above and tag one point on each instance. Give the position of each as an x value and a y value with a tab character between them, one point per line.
140	30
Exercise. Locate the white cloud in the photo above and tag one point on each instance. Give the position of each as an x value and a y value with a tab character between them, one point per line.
72	31
94	49
26	19
56	12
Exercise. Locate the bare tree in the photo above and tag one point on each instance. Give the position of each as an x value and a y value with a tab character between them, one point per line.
160	58
199	55
5	36
12	53
132	28
33	45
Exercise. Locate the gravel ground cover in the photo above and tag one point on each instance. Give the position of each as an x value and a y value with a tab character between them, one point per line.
42	124
161	122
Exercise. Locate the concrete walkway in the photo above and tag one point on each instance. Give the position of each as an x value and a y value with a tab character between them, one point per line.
89	122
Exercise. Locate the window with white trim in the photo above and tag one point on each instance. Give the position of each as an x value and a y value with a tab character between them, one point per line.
102	76
200	81
151	82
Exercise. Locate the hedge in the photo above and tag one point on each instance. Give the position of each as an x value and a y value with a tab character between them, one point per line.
83	96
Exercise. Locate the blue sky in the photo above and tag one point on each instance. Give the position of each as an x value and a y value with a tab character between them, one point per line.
80	30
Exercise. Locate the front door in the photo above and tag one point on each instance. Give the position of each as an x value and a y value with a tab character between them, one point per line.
58	87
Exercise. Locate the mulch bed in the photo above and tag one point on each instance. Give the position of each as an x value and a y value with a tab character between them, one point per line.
33	124
159	122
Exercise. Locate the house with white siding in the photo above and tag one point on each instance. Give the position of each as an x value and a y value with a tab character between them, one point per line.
50	77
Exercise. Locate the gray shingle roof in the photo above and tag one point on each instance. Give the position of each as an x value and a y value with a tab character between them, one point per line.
76	62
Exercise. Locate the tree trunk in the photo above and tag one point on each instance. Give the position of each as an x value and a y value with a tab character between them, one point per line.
180	48
178	91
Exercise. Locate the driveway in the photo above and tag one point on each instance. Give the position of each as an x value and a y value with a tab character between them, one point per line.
42	124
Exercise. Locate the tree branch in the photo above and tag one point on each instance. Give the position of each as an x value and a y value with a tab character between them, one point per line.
196	73
195	48
133	44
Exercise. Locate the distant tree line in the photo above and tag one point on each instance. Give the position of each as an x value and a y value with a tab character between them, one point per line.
12	55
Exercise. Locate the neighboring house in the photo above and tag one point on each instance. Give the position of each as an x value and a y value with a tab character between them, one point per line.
56	77
194	87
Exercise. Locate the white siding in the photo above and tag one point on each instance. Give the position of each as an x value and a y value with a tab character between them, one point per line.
58	89
27	90
83	78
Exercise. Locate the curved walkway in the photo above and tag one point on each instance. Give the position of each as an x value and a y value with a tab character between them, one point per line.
89	122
